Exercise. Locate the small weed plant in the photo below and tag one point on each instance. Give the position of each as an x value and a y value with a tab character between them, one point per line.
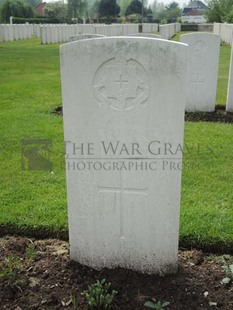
229	275
157	305
100	295
74	302
10	271
30	253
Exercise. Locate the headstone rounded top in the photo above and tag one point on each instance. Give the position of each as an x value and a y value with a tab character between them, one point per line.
99	38
201	34
121	81
145	35
84	36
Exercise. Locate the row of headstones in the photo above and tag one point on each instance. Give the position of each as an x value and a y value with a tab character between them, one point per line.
16	32
150	27
61	32
225	31
84	36
102	29
202	65
169	30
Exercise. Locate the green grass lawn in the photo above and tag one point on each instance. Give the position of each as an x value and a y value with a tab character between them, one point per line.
30	90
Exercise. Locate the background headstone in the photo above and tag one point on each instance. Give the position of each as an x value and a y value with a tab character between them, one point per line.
202	71
82	36
229	104
146	35
129	92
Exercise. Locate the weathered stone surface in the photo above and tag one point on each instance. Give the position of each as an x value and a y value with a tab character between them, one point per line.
123	103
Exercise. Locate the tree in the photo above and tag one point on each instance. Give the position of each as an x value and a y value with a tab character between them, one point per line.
173	11
170	12
229	17
215	11
135	7
77	8
158	10
16	8
56	10
123	5
172	5
161	11
34	3
148	12
220	11
154	8
93	9
109	8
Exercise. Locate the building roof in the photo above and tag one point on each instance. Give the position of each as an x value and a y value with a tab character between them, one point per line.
39	9
194	8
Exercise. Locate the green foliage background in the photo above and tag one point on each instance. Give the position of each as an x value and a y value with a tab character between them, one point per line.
220	11
17	8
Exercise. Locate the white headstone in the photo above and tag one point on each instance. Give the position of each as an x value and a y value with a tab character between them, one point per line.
1	33
59	32
229	104
83	36
21	32
43	34
216	28
56	40
16	32
52	34
202	71
145	35
24	31
124	204
6	33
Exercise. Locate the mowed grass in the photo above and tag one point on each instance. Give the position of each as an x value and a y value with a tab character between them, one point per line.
223	71
207	196
30	89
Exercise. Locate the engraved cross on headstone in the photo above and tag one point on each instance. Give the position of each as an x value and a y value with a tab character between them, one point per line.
122	190
197	78
121	81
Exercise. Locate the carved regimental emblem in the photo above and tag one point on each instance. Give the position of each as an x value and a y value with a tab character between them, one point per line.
199	47
121	84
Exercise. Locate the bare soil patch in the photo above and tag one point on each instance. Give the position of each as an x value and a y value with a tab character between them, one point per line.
218	116
49	280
